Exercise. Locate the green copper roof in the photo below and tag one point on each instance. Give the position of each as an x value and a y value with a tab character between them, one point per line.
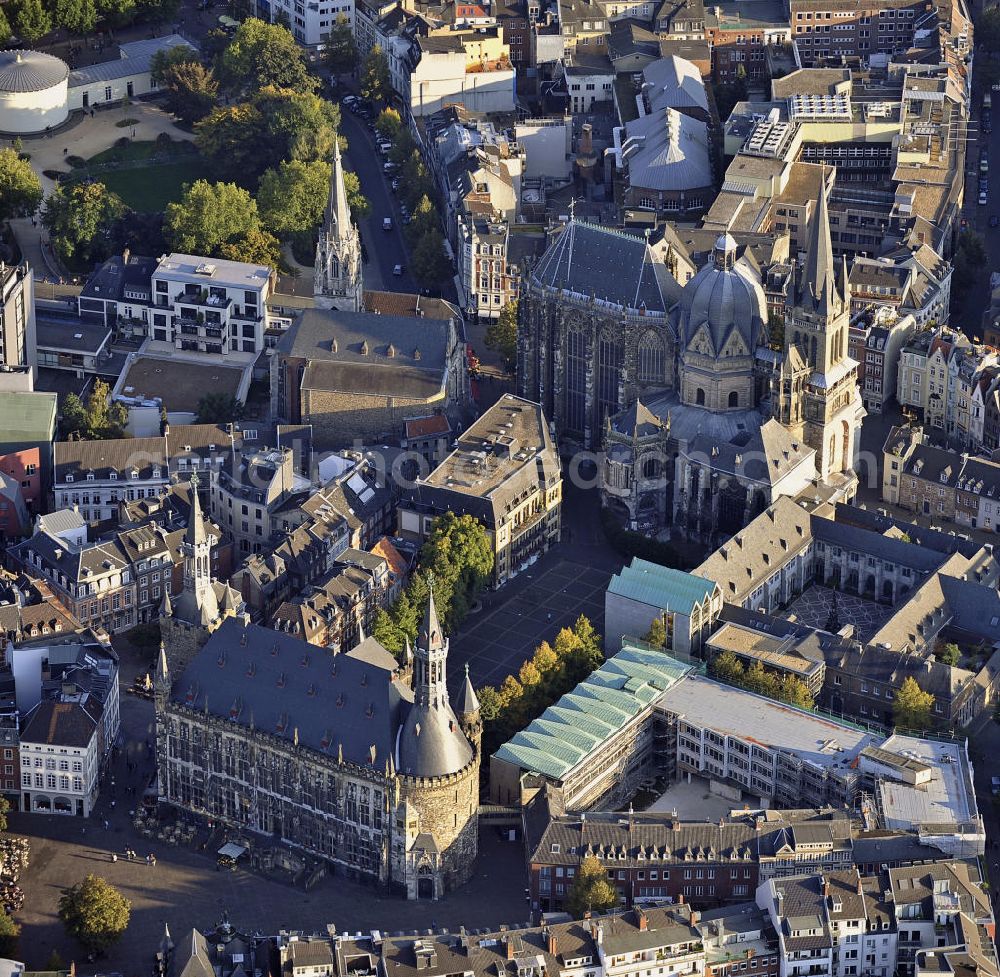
659	586
569	730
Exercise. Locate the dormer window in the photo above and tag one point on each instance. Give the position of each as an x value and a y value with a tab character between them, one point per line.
90	476
134	473
69	478
113	476
156	473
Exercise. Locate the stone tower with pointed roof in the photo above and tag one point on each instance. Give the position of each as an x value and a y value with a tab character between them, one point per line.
437	766
203	603
817	367
338	282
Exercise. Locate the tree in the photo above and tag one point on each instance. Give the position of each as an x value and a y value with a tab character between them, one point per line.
105	419
429	263
244	140
74	417
912	707
6	33
77	16
170	58
292	197
9	932
388	124
208	216
191	90
376	85
657	633
256	247
950	654
219	408
341	52
20	189
501	335
728	94
95	913
988	29
356	200
116	12
262	54
459	556
591	890
79	219
969	260
33	23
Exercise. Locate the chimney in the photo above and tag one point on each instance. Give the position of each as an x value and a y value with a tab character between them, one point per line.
680	899
695	917
587	139
642	920
861	888
553	945
126	254
826	887
510	948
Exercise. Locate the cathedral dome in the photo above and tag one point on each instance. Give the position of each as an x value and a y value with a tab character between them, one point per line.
724	295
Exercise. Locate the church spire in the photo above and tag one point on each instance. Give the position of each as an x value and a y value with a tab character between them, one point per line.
195	534
338	211
818	280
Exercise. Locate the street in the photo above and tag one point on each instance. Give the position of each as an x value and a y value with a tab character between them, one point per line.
384	249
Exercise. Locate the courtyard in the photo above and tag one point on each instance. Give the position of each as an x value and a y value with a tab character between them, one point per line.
814	605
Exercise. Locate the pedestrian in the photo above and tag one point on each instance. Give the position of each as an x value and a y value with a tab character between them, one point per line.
105	824
114	857
112	804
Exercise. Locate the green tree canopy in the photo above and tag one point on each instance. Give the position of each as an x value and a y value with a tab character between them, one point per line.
74	417
163	60
376	84
657	633
988	29
94	913
256	247
388	124
6	33
358	202
208	216
219	408
79	219
261	55
591	891
276	125
9	932
950	654
20	189
32	21
912	706
191	90
117	12
293	197
77	16
429	263
501	335
459	556
105	419
341	52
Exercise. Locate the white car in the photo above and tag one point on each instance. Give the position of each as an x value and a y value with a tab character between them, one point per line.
397	269
983	197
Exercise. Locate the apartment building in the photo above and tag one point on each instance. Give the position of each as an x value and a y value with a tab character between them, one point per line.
243	499
877	337
310	23
740	31
18	331
505	472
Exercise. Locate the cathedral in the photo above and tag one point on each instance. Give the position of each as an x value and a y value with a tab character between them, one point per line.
337	283
672	372
353	758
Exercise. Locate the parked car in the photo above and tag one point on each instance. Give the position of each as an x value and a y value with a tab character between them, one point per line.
995	785
994	220
385	148
984	183
397	269
389	168
395	184
983	196
386	223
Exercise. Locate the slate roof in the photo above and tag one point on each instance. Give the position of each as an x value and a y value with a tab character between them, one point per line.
78	458
283	685
637	421
568	731
674	82
612	265
766	456
384	379
30	71
71	724
667	150
135	59
802	909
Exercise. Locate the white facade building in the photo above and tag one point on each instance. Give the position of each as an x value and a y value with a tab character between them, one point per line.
310	21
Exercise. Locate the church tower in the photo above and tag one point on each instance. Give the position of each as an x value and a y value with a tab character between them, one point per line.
437	767
203	602
817	367
337	283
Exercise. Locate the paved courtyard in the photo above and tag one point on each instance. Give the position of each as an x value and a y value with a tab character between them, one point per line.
814	605
552	595
185	889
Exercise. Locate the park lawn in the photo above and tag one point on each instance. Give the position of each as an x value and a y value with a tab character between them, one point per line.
138	151
148	190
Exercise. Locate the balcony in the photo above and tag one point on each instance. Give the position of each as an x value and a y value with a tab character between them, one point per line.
203	300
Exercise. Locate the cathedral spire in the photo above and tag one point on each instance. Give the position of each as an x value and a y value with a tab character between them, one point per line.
818	280
195	534
338	211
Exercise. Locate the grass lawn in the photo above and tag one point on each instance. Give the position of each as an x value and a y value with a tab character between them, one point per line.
138	151
148	190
